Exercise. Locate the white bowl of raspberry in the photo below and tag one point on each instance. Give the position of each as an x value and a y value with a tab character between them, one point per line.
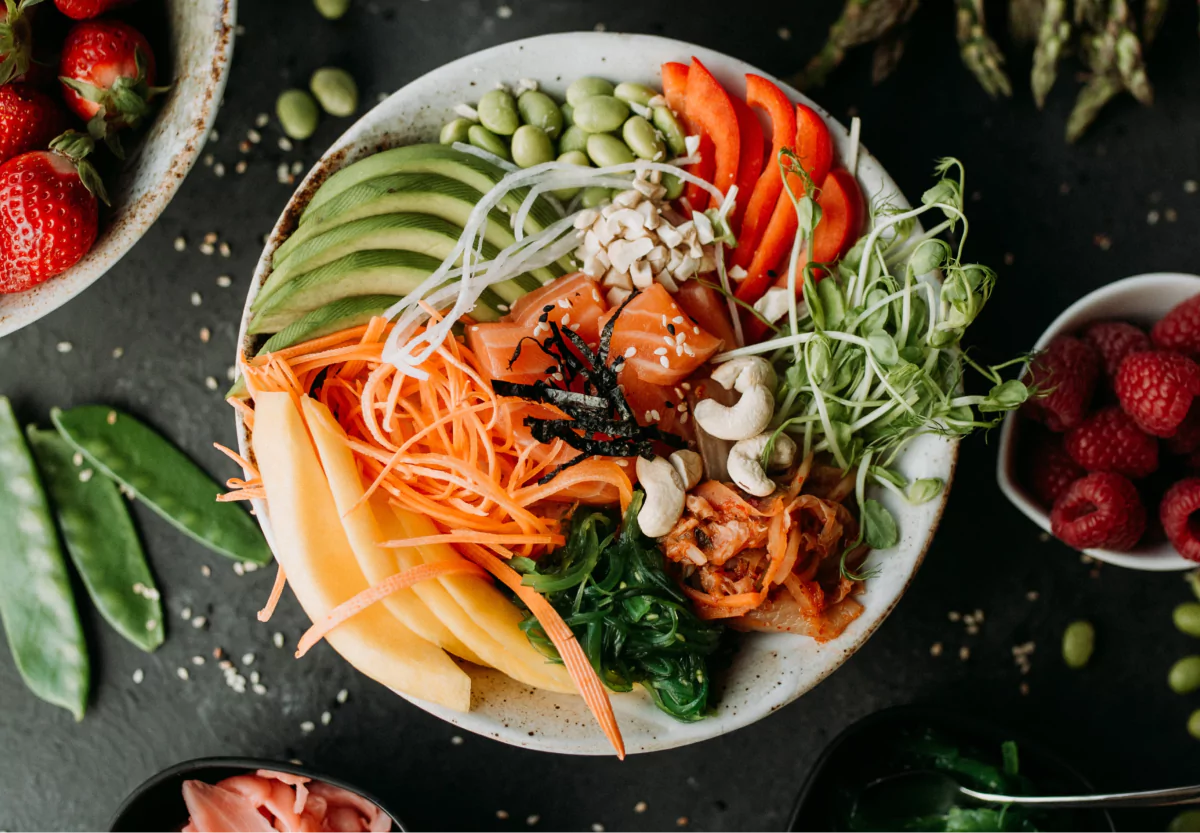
1109	460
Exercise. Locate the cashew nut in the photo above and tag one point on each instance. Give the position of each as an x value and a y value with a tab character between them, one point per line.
742	373
689	465
745	462
664	496
749	416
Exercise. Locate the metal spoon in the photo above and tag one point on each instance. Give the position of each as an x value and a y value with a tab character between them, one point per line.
927	792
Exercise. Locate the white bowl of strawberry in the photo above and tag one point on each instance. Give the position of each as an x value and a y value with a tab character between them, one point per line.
104	108
1108	460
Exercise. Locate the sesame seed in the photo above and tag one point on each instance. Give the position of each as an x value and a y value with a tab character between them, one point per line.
240	167
502	814
138	676
954	616
1102	241
219	169
218	653
197	660
254	136
238	568
118	352
597	828
640	807
285	144
186	613
65	347
1032	595
151	624
208	160
343	696
1152	218
1170	215
504	12
247	659
297	167
664	361
681	821
255	677
307	726
205	570
277	639
249	566
259	689
262	120
205	335
599	27
1190	186
532	820
281	174
661	351
785	34
964	653
935	650
180	243
85	475
224	250
182	673
456	740
630	352
199	622
196	299
211	383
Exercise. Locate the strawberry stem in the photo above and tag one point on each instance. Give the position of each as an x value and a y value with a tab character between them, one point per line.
77	147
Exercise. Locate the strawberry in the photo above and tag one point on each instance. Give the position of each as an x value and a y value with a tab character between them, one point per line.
87	9
48	211
1176	512
107	71
1179	329
1100	510
29	119
1109	440
1157	389
1115	340
1065	373
16	39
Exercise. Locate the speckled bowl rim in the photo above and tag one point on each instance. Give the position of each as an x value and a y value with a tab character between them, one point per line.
357	142
1170	287
115	240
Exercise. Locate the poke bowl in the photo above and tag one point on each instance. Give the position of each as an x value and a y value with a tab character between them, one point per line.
195	45
767	670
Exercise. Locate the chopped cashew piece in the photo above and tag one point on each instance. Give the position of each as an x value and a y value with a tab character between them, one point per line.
774	304
689	465
665	495
745	462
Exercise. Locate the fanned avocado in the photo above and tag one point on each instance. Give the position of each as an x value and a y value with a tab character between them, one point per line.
420	233
338	315
384	272
431	159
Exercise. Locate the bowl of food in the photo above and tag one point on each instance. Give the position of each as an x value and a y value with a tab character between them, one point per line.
220	794
502	332
167	63
1095	423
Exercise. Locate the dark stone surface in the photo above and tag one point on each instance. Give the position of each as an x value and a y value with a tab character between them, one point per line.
1031	196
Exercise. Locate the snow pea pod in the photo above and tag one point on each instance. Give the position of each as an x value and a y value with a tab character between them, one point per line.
162	477
36	604
101	541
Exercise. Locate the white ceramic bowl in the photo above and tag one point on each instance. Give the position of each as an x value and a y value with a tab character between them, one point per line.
1142	300
201	46
770	670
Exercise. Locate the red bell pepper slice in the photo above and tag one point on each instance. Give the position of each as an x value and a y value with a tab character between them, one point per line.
760	204
750	165
843	211
674	80
814	148
709	108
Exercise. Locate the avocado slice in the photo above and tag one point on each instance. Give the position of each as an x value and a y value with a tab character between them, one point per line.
381	272
431	159
421	233
329	319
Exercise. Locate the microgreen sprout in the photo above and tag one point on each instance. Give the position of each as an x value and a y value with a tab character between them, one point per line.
870	355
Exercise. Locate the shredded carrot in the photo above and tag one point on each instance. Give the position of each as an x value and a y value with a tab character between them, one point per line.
378	592
463	536
268	610
590	687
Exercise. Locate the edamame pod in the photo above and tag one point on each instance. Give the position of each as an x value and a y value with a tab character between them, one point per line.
674	186
638	94
163	478
643	139
573	138
484	139
607	150
594	196
601	113
539	109
531	146
101	541
1184	676
498	112
455	131
671	130
36	604
586	87
1187	618
1079	640
568	114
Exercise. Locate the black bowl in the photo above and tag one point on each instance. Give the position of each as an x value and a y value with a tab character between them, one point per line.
158	803
847	764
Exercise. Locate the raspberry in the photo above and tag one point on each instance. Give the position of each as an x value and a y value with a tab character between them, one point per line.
1179	329
1100	510
1109	440
1156	389
1052	471
1066	371
1175	512
1187	436
1115	340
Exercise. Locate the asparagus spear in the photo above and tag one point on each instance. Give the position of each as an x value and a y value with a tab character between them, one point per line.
1095	94
979	51
1053	36
861	21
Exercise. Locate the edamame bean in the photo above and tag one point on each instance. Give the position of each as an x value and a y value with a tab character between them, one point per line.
298	114
162	477
586	87
595	196
36	602
1193	724
671	129
531	146
455	131
568	114
634	93
643	140
335	90
101	541
1184	676
484	139
573	138
1079	640
332	9
1186	822
674	186
607	150
572	157
539	109
498	112
601	113
1187	618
